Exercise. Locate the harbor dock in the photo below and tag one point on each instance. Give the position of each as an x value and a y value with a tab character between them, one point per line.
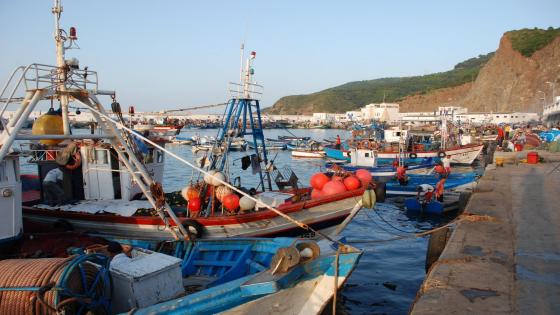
503	256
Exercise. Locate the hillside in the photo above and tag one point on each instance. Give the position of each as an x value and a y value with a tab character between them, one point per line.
474	83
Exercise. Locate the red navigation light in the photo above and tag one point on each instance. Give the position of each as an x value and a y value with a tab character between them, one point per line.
253	55
73	34
131	110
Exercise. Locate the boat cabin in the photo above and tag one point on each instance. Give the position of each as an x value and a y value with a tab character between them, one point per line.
395	134
363	157
99	175
11	225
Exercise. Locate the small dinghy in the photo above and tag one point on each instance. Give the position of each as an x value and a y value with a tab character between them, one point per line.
456	181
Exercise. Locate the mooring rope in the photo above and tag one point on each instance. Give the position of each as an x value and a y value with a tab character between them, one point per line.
257	201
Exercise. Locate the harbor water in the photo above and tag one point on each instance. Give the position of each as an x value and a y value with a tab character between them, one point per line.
389	273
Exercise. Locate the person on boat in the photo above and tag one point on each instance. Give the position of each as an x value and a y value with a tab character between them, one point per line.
338	143
446	162
52	187
440	187
401	175
395	163
424	193
440	170
119	254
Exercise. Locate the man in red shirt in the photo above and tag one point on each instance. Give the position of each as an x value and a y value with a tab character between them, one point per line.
500	136
338	142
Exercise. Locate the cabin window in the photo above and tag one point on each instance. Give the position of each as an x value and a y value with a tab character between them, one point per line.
101	157
366	154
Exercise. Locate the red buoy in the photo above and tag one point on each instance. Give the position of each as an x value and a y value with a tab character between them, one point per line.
364	176
195	204
231	202
318	180
352	182
316	194
333	187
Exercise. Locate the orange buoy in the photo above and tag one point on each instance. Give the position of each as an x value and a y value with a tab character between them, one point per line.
364	176
333	187
231	202
318	180
195	204
316	194
352	182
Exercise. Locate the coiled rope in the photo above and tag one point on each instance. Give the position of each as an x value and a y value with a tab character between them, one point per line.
73	285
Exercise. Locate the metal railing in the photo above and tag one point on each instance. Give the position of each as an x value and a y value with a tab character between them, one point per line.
248	90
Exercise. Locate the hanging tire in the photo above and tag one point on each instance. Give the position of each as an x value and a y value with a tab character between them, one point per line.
380	192
441	154
194	229
412	155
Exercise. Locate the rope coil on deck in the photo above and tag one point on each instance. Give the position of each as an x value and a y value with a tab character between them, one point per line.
73	285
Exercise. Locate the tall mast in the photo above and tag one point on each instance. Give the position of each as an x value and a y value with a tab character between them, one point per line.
61	64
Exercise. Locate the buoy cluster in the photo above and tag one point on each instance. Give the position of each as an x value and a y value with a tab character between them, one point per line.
215	189
325	186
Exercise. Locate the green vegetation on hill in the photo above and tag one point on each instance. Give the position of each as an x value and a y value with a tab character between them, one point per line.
527	41
354	95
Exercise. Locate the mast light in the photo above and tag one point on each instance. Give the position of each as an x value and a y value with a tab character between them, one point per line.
73	34
253	55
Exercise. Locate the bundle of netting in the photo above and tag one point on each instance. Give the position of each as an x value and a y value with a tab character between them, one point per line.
73	285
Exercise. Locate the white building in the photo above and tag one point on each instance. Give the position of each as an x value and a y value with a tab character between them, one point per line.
388	112
354	115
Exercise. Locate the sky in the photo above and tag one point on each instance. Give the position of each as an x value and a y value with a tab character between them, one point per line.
178	54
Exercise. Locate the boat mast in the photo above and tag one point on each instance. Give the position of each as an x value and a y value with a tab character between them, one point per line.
61	64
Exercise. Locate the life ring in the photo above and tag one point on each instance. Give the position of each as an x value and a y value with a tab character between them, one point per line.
365	144
412	155
441	154
76	161
194	229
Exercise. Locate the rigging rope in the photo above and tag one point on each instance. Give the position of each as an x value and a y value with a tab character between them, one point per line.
257	201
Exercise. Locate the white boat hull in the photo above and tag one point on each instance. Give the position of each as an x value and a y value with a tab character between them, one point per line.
308	154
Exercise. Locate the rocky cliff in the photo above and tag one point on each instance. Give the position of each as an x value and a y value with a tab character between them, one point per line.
508	80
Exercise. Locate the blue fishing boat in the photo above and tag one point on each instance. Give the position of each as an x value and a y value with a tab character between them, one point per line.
454	181
432	207
337	154
246	275
382	170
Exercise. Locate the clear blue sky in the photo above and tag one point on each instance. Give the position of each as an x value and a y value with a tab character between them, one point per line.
173	54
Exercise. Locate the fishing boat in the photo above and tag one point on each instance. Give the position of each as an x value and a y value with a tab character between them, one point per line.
308	154
271	146
163	132
452	201
248	276
111	180
367	159
455	181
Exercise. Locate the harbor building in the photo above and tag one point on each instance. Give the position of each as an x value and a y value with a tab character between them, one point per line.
388	112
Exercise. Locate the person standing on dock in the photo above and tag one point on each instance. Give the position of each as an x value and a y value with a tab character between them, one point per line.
500	136
338	143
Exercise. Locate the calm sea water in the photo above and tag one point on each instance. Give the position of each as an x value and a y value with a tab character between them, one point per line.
397	264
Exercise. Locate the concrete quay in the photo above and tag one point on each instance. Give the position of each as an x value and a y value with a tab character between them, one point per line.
503	258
